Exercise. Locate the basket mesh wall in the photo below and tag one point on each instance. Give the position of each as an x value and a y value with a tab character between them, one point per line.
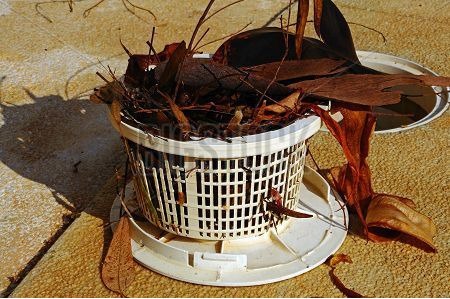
216	198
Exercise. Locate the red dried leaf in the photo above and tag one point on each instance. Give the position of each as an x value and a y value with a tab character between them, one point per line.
118	266
276	206
353	134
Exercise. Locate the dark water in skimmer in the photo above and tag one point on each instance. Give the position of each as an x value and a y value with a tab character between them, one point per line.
418	103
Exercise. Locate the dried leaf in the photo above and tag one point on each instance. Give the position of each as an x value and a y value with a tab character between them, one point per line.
288	103
211	75
276	206
302	18
138	64
299	69
353	134
318	6
266	45
255	47
334	30
366	89
181	198
107	93
333	262
168	78
338	258
115	108
235	122
118	267
183	121
396	214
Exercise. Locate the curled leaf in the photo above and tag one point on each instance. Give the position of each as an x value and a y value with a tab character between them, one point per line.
118	266
388	216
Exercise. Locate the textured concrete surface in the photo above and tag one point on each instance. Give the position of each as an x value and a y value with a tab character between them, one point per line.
39	57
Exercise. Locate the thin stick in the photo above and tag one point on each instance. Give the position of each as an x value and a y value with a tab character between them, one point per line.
286	50
221	9
141	8
201	38
88	11
150	43
199	24
326	179
224	37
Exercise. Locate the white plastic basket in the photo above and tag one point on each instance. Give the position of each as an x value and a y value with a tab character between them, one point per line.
215	190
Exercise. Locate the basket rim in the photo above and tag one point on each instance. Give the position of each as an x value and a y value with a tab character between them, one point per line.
236	147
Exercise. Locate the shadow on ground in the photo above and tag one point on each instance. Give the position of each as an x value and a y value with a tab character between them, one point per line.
69	146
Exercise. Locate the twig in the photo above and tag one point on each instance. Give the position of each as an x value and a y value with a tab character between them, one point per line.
286	50
308	151
224	37
221	9
370	28
88	11
199	24
201	38
140	7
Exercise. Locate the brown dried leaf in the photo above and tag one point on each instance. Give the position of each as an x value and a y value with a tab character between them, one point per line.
235	122
209	74
183	121
298	69
366	89
318	6
168	78
181	198
396	214
107	93
255	47
333	262
138	64
334	30
115	108
289	102
118	266
302	18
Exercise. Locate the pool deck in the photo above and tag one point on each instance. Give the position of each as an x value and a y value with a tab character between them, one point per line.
47	126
